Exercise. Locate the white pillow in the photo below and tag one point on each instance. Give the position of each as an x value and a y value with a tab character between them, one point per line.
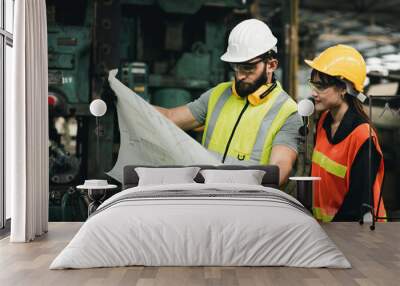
248	177
164	176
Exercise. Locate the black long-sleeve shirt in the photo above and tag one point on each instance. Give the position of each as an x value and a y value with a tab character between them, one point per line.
359	183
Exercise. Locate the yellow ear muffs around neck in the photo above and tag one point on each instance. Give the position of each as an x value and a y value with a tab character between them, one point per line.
258	96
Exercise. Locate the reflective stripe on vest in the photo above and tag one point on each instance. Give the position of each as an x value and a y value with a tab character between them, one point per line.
285	110
215	103
319	214
254	144
329	165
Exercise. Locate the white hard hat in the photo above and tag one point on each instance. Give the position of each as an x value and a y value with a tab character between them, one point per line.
249	39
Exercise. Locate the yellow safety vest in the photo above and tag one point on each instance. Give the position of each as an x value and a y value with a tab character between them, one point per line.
256	125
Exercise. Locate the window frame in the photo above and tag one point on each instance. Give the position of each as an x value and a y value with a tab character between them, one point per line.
6	39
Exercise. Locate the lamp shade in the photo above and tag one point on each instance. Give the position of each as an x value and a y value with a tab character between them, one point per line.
98	107
305	107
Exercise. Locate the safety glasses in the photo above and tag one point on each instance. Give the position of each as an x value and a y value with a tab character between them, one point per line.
245	68
318	87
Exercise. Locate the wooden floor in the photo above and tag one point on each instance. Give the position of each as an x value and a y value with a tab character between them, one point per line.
375	256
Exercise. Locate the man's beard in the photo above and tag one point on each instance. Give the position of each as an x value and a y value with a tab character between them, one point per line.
243	89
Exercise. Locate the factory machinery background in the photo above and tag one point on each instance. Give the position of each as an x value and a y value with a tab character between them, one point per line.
168	52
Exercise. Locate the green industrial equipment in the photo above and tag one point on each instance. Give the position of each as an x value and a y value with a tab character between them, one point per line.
68	62
135	76
171	97
180	41
69	205
69	56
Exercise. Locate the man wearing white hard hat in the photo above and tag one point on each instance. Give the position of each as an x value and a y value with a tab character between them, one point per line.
250	120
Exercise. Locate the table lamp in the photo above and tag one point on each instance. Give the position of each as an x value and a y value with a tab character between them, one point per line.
305	108
96	188
304	184
97	108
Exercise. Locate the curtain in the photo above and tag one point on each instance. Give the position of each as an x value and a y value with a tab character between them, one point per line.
27	124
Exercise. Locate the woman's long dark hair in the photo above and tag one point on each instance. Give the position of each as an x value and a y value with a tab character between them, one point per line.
331	81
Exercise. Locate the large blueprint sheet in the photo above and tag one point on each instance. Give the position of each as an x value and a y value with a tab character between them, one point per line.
149	138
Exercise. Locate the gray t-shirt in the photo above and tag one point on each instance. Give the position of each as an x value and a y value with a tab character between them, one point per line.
199	107
288	135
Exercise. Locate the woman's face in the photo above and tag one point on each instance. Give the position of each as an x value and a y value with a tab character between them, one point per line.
326	97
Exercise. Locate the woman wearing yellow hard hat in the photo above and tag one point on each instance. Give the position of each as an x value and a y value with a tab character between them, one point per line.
341	152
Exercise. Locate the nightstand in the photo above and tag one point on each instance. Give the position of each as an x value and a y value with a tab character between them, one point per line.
305	190
97	190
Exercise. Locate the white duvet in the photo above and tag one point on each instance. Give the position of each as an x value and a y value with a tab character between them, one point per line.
206	230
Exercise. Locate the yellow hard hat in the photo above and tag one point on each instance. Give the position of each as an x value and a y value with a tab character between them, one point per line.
342	61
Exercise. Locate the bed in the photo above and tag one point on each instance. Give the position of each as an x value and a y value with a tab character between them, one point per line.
201	224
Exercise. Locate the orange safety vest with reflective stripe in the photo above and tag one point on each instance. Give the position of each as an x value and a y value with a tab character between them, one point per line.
333	162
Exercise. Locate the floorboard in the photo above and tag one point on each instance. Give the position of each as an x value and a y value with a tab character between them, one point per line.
374	255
